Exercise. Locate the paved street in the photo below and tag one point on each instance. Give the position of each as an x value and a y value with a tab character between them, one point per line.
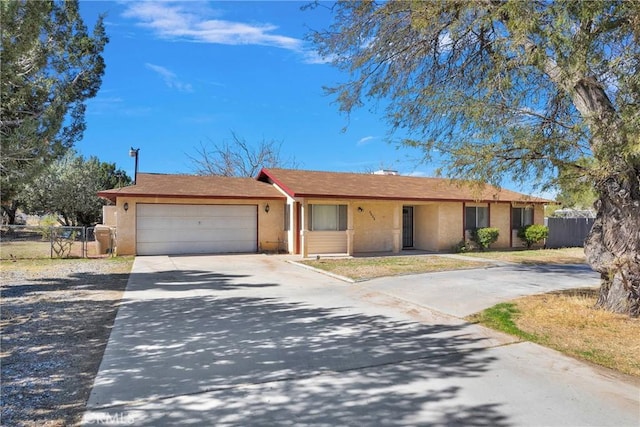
254	340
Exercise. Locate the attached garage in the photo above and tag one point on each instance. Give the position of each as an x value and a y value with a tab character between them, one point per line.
165	214
169	229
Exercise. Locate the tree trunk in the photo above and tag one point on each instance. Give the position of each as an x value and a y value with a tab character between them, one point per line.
10	212
613	246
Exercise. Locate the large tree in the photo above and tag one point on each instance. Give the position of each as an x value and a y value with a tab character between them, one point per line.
68	189
238	157
50	66
511	89
576	189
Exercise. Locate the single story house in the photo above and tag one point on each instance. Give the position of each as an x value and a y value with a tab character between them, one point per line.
310	213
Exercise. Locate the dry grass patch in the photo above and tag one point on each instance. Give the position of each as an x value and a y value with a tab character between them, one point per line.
372	267
41	266
535	256
566	321
25	250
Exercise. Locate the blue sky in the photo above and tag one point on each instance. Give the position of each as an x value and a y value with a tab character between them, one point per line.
182	74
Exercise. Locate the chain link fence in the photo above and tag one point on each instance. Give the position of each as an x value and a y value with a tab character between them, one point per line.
31	242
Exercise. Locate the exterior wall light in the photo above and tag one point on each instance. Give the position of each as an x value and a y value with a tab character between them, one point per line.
266	208
360	209
125	206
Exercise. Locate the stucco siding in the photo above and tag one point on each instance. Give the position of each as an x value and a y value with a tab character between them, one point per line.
373	227
426	227
271	234
110	215
450	225
538	214
500	218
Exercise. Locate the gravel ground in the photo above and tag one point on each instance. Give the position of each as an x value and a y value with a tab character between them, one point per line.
56	316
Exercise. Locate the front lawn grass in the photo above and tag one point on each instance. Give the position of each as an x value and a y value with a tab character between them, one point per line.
371	267
364	268
535	256
566	321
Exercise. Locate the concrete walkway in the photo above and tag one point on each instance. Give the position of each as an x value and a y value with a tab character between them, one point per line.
254	340
464	292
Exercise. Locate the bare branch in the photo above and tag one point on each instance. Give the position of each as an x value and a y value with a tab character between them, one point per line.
238	157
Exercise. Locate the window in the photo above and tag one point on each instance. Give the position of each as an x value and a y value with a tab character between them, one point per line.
328	217
521	217
476	217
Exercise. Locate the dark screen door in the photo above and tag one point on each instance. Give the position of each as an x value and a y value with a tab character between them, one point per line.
407	226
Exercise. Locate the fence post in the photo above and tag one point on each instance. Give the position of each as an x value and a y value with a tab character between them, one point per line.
51	242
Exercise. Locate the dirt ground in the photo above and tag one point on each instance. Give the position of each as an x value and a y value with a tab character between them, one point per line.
56	316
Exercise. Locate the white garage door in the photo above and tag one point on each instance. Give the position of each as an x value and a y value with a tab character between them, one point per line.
196	229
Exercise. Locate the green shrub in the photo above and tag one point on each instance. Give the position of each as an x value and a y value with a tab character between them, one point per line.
483	237
532	234
46	226
462	246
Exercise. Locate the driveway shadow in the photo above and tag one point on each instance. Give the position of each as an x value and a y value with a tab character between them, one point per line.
185	280
218	358
573	269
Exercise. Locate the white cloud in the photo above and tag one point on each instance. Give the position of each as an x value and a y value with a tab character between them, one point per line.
193	22
313	57
365	140
101	104
170	78
415	173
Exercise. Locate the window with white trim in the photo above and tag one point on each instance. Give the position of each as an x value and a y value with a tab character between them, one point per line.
476	217
327	217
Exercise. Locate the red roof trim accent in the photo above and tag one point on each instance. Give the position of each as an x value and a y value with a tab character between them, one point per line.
267	173
412	199
186	196
335	190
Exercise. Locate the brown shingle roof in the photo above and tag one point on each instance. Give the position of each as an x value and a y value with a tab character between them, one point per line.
192	186
300	183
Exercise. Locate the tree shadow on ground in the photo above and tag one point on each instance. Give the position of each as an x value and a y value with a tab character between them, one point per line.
582	270
54	332
185	280
217	358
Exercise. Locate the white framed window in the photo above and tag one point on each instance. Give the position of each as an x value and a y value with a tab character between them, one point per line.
521	217
327	217
476	217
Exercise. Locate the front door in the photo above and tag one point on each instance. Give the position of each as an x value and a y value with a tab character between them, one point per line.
407	227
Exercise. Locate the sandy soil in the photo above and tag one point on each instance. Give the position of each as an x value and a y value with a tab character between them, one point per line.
56	316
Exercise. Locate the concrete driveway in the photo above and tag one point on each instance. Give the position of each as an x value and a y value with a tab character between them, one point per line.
464	292
254	340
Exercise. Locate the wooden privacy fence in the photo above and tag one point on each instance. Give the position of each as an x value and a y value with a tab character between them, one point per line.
568	232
